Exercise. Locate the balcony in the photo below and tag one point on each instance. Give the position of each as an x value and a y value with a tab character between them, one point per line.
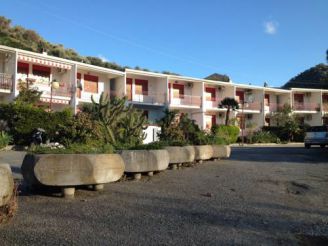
186	100
254	106
306	107
149	98
212	103
6	82
325	106
273	107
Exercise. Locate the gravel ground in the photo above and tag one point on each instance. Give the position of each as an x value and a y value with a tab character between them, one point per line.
261	195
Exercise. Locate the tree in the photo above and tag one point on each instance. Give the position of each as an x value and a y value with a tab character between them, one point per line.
288	122
230	104
28	95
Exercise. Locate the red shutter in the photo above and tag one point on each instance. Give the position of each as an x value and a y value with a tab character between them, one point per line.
90	83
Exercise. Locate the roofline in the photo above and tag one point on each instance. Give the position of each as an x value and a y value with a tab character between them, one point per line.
58	59
306	89
145	73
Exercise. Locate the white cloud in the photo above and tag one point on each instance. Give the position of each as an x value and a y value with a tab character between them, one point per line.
271	27
103	58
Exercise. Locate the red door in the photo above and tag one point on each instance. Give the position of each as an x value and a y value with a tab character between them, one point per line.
240	95
213	120
267	100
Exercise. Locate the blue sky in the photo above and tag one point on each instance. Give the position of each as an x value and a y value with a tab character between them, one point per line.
252	41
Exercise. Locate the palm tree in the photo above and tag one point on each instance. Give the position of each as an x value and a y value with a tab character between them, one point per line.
230	104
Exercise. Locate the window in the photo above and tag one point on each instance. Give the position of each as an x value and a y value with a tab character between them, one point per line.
23	68
129	88
299	98
146	114
210	94
178	91
41	71
79	85
90	83
141	87
325	98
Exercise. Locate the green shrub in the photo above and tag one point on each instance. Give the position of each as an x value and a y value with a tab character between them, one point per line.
265	137
223	134
150	146
23	119
81	128
75	148
5	139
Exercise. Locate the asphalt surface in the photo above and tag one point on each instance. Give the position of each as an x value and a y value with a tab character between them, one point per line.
261	195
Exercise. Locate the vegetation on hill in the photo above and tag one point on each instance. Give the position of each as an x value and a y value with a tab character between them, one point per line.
21	38
315	77
218	77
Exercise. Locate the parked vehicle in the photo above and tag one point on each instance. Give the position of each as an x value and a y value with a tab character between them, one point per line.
316	135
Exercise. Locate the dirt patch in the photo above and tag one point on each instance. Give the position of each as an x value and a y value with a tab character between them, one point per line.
309	240
296	188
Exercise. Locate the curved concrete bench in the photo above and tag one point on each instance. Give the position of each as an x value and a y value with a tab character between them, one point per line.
70	170
203	152
179	155
140	161
221	151
6	184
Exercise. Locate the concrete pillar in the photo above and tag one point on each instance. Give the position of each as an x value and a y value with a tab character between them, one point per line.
98	187
174	166
150	174
137	176
68	192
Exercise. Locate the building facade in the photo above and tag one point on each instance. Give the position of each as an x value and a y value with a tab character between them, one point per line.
66	83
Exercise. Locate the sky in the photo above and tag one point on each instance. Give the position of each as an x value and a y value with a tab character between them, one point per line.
252	41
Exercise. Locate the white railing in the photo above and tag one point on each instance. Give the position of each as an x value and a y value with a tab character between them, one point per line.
153	98
212	104
186	100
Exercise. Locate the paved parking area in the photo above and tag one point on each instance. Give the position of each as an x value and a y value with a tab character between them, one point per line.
261	195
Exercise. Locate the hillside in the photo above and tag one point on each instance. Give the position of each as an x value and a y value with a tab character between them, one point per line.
315	77
21	38
218	77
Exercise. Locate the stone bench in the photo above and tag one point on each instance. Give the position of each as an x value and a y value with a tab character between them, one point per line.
70	170
145	161
6	184
221	151
179	155
203	152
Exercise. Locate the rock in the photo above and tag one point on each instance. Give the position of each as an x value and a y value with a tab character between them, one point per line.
185	154
138	161
6	184
203	152
72	169
221	151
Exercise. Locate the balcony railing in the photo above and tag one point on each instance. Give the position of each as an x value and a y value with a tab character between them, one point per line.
212	104
250	106
6	81
273	107
306	107
151	98
186	100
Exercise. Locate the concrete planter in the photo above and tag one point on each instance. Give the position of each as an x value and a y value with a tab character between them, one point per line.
140	161
203	152
6	184
70	170
179	155
221	151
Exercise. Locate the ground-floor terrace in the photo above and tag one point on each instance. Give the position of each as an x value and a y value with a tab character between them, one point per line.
261	195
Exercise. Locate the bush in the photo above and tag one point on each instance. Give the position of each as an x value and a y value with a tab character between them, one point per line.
24	119
225	134
264	137
74	148
81	128
5	139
